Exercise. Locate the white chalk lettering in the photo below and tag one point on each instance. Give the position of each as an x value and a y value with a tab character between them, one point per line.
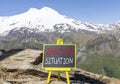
59	60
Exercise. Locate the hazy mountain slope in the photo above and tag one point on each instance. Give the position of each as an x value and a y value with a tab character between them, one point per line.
101	55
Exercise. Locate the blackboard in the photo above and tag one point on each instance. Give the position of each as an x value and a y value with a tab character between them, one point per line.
61	56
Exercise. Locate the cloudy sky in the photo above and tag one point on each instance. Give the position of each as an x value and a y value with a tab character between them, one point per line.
93	11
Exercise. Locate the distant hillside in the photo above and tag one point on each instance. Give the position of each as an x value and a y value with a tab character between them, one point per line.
101	55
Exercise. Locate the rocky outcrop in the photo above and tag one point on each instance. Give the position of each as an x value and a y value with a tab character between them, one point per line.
38	60
17	69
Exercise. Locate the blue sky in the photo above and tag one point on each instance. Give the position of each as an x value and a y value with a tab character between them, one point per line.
93	11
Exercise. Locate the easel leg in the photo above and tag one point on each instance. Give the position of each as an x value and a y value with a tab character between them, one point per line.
49	75
67	75
58	75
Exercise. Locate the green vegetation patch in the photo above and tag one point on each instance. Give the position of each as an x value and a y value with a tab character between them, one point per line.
106	64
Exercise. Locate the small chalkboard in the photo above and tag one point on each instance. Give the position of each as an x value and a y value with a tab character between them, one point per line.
59	56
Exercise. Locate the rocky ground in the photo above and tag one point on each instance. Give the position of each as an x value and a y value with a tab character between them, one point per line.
20	67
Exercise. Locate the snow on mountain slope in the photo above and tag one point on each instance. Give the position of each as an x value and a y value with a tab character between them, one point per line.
44	19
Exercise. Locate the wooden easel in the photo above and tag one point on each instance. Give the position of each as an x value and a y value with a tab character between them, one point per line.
59	42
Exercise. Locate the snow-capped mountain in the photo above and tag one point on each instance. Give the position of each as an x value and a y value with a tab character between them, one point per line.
45	19
36	27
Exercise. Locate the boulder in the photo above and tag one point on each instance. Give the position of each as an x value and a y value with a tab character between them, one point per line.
38	60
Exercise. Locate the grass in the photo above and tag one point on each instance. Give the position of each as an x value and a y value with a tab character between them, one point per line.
106	64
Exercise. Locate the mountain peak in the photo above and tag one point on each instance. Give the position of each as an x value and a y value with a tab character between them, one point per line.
48	9
44	10
33	9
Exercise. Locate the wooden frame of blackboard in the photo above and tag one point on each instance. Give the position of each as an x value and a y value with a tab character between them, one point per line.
59	68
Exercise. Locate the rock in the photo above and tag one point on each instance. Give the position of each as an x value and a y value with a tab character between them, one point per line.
36	82
5	82
58	82
1	81
38	60
44	82
114	81
19	70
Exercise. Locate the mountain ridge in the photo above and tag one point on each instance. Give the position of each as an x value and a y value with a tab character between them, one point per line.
45	19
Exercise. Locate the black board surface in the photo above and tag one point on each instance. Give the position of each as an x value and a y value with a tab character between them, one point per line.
62	56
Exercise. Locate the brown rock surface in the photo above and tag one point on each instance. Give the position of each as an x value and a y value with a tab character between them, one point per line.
17	68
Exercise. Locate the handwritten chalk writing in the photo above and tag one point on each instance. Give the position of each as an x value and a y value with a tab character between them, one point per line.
59	60
56	51
52	51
